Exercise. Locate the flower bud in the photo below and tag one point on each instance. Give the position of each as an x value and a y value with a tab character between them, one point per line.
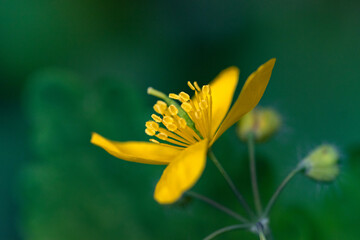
261	122
322	163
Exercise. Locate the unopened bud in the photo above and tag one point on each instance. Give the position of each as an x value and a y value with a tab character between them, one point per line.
322	163
262	123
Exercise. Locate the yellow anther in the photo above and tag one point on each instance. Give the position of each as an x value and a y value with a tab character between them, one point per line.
197	86
181	127
156	118
154	141
150	132
171	127
148	123
186	106
162	104
160	107
182	123
173	110
168	120
154	125
174	96
203	104
184	97
206	89
191	86
198	114
162	136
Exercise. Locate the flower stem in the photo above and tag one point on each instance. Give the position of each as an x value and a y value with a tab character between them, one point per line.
227	229
231	184
280	188
260	232
254	183
218	206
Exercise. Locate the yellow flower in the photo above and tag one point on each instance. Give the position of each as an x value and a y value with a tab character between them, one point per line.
185	132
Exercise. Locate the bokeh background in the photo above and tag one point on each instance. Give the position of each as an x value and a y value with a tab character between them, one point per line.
71	67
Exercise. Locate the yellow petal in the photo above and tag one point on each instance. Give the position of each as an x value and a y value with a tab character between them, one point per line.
249	97
182	173
141	152
222	91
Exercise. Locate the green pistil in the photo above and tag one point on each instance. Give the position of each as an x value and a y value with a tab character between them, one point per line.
169	102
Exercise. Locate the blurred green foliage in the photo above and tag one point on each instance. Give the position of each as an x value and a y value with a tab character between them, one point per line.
53	58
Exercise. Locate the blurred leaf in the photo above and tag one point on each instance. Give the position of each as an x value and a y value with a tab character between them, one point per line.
70	193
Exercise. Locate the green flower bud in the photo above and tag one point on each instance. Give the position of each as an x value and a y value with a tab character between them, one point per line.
262	123
322	163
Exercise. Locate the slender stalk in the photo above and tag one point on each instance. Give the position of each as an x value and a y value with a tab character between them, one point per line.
227	229
254	183
280	188
231	184
261	232
218	206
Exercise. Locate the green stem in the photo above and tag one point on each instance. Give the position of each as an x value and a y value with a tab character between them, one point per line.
218	206
231	183
280	188
254	183
227	229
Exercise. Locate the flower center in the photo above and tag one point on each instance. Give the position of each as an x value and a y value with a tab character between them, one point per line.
180	126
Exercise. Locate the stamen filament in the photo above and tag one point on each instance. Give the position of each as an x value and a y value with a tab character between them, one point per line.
166	145
170	140
174	136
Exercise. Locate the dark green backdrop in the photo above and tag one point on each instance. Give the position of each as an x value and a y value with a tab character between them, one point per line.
71	67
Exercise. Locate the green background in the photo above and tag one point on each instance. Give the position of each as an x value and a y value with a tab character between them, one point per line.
71	67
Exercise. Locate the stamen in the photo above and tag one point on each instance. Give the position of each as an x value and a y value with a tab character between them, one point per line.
206	89
154	141
162	136
160	107
171	127
147	124
191	86
162	104
175	136
173	110
182	123
150	132
168	120
197	86
184	97
203	105
156	118
198	114
152	125
186	106
174	96
172	146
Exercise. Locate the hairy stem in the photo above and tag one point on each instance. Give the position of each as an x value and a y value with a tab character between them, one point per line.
231	184
227	229
217	206
280	188
254	183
